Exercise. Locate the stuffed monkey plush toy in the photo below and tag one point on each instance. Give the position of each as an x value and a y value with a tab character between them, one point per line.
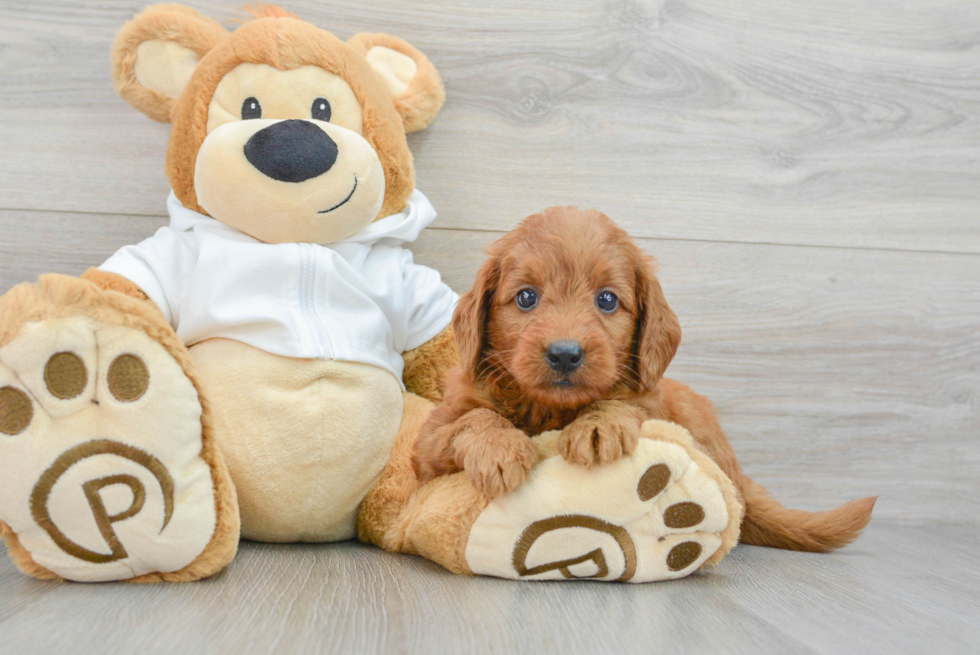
260	367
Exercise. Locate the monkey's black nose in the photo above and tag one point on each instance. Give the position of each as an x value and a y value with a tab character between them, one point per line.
291	151
564	356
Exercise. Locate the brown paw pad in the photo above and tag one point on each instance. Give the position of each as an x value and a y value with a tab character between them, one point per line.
683	555
65	375
16	411
683	515
128	378
653	481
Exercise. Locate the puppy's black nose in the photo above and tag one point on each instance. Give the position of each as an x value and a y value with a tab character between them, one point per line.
291	151
564	356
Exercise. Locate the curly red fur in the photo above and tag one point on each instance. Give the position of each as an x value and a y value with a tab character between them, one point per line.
504	391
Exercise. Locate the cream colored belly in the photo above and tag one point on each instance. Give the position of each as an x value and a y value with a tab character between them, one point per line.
305	439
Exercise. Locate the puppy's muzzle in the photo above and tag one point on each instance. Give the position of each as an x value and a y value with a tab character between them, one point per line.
291	151
564	356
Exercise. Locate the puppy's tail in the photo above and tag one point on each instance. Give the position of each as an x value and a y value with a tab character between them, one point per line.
767	523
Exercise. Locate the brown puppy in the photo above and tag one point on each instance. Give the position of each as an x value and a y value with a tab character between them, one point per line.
566	327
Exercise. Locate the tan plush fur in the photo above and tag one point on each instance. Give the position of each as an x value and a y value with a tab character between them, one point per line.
22	558
397	483
59	296
113	282
283	42
426	366
504	391
268	11
172	21
422	100
730	536
433	521
304	439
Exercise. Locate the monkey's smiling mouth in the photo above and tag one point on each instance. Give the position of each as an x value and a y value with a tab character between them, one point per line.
342	202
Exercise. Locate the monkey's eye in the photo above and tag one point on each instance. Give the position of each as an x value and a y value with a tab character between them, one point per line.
526	299
607	301
251	109
321	110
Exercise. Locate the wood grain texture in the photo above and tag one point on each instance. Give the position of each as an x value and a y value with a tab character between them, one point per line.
807	175
835	123
900	589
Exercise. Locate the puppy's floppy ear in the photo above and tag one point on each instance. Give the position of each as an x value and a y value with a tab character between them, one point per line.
155	54
472	313
658	333
409	76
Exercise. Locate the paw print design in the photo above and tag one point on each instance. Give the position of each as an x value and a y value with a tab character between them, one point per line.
659	514
101	474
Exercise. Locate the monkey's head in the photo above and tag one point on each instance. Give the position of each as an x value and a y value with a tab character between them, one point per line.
279	129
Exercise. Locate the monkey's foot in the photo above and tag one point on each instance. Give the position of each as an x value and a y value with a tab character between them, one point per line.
659	514
103	470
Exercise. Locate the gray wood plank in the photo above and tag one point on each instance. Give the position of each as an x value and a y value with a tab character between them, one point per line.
727	135
913	585
837	373
889	592
35	243
836	123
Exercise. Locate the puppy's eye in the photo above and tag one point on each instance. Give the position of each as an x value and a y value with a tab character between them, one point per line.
251	109
321	110
607	301
526	299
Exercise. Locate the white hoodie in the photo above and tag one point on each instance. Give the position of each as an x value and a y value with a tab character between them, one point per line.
359	300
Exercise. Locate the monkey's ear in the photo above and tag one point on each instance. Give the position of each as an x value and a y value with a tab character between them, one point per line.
409	76
155	54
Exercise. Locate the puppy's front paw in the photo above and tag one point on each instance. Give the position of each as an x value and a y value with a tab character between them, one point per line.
496	461
598	438
433	456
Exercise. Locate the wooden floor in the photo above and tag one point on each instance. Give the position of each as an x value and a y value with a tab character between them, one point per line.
901	589
808	175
